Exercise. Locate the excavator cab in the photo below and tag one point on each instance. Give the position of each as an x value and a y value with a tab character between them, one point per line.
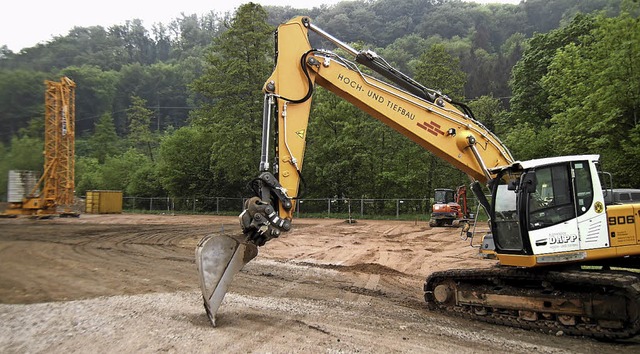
548	211
444	196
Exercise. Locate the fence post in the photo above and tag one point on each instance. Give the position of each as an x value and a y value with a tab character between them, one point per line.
397	208
328	206
194	204
217	205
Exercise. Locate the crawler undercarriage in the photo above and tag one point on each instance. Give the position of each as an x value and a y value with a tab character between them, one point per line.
602	304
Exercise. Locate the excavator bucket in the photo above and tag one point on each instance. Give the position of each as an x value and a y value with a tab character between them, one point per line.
218	259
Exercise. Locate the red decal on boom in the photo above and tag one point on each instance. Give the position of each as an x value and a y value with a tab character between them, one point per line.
432	127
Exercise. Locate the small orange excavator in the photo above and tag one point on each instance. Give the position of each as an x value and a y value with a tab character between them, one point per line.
450	207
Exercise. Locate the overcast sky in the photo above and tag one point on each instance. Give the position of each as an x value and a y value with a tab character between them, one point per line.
25	23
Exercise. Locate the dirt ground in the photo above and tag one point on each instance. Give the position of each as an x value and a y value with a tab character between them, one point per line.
128	283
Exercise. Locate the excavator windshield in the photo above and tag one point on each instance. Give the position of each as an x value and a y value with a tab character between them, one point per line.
444	196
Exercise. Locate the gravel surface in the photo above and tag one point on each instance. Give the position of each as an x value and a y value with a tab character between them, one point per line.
127	283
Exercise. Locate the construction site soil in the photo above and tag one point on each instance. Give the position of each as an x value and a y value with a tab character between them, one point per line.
128	283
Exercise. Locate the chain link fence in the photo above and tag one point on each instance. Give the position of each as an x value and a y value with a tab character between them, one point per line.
399	208
215	205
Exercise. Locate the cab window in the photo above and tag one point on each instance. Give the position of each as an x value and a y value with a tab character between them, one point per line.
552	201
583	186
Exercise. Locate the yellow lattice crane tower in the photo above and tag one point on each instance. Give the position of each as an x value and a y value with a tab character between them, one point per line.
54	192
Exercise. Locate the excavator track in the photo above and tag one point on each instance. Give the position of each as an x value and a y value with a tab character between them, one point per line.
602	304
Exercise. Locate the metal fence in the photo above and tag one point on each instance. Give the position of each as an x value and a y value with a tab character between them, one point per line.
316	207
217	205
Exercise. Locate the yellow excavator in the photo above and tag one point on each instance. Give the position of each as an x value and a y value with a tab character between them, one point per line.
565	261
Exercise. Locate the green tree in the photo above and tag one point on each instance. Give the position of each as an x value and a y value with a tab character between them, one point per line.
403	51
25	153
145	181
489	111
594	92
184	163
139	118
95	93
530	101
3	172
88	175
341	146
104	142
21	100
439	70
529	142
118	171
131	172
237	65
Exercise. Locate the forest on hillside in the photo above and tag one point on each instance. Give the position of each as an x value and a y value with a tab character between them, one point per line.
176	110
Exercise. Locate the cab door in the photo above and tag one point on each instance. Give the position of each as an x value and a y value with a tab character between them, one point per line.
590	211
552	223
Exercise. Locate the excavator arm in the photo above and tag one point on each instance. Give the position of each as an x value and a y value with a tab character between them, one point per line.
425	116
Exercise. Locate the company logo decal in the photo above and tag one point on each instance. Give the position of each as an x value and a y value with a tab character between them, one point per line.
433	128
599	207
